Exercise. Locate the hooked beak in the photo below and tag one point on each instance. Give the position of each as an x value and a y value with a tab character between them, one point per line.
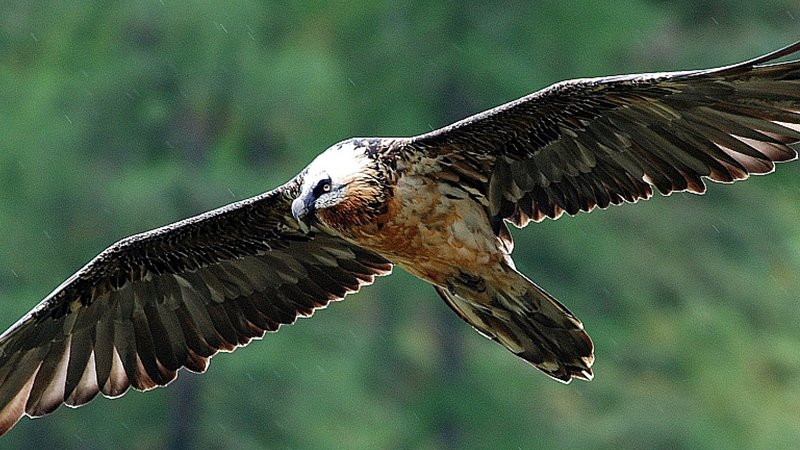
302	210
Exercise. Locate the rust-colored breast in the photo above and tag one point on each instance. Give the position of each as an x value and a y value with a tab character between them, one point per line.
429	228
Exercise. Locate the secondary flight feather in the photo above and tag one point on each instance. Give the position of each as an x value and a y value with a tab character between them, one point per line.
437	205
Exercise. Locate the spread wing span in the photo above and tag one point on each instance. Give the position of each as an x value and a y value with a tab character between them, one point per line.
584	143
171	298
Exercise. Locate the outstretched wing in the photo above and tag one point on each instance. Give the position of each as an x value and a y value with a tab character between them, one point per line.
595	142
171	298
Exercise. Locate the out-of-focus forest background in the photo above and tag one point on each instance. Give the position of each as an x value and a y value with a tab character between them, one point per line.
117	117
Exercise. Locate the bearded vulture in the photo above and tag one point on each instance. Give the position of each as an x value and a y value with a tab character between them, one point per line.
437	205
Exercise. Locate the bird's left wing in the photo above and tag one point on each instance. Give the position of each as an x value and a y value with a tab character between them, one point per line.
593	142
173	297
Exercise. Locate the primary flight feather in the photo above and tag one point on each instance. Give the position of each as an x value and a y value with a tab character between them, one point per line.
437	205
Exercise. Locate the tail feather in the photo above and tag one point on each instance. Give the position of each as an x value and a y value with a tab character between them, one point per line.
529	322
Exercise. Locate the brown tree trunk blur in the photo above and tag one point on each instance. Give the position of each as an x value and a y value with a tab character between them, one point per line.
184	413
449	431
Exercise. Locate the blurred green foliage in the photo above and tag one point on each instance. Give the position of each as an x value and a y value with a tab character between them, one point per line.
118	117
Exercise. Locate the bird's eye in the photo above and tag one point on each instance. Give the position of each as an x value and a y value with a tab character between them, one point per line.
322	187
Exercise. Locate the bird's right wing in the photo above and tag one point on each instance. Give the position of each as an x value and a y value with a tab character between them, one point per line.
594	142
173	297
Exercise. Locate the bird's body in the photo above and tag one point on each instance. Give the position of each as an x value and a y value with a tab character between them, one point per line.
417	214
441	231
437	205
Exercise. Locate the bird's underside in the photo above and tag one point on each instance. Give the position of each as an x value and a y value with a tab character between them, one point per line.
436	204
